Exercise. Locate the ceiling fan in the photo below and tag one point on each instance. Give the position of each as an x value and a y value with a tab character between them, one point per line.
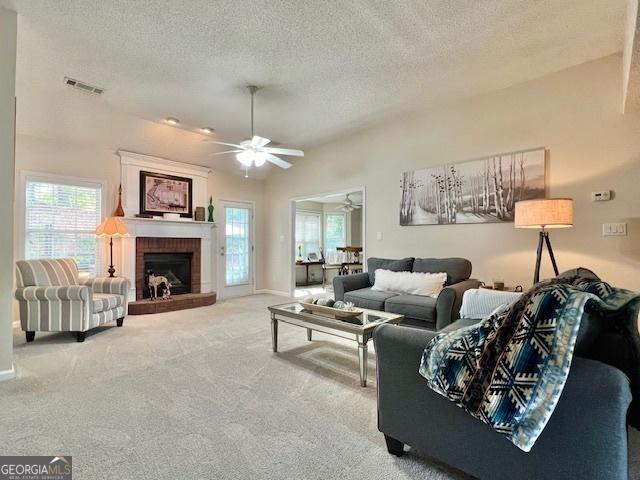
254	151
348	205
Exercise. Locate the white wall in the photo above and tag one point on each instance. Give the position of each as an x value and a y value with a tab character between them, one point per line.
575	114
8	30
355	217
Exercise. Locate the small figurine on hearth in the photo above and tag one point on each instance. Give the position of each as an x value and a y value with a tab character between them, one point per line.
167	292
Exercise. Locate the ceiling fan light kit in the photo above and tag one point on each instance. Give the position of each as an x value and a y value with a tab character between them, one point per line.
254	151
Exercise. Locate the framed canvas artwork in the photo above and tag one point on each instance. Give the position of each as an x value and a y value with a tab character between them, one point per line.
477	191
160	193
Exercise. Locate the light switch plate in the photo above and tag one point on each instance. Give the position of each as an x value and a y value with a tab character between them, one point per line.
379	236
614	229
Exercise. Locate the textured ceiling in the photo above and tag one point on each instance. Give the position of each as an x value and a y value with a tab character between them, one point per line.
327	67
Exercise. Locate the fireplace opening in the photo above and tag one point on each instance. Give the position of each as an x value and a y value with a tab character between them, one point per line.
175	267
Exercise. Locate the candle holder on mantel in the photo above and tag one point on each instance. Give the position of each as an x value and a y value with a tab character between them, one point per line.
119	210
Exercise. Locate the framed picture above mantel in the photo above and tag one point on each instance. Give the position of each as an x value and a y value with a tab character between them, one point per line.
160	193
477	191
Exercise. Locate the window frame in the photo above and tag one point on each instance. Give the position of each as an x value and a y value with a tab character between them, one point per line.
320	230
324	228
32	176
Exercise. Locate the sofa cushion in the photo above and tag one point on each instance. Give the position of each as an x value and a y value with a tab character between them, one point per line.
460	323
457	269
106	301
412	306
402	265
591	328
367	298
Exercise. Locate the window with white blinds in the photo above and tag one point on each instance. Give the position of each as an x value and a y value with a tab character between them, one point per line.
335	231
61	217
308	234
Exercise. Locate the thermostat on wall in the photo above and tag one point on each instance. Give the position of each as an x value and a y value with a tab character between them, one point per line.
602	196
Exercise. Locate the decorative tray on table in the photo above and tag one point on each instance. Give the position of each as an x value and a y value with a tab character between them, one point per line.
336	312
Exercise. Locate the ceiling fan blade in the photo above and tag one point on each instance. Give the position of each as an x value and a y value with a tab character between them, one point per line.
223	143
277	161
227	151
283	151
257	142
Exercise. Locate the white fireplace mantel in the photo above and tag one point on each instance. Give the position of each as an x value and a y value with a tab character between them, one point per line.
131	164
159	228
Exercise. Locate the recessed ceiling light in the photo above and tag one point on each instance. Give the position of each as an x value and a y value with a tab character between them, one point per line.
172	121
207	130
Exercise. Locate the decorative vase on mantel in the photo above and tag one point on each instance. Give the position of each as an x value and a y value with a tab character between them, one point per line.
119	210
210	208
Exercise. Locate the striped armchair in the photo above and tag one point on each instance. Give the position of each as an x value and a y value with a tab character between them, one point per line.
53	298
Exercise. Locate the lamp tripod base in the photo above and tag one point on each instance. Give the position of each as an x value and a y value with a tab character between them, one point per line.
544	238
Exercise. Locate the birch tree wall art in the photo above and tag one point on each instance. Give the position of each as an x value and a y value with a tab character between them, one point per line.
477	191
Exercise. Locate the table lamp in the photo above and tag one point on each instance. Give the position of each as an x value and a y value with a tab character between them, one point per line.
544	213
111	227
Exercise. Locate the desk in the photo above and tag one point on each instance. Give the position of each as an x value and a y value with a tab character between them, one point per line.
306	264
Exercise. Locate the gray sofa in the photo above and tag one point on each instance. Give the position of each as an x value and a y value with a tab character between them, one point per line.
426	312
585	438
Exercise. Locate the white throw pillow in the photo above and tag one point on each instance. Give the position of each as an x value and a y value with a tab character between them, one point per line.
413	283
482	302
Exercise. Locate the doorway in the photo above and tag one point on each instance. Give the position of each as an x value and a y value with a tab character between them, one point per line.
327	239
236	263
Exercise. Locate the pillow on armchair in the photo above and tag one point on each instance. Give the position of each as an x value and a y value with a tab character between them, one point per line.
482	302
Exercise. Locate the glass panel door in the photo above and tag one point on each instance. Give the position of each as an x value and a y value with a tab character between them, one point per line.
235	240
237	246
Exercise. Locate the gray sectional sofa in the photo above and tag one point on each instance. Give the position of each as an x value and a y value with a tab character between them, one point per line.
585	438
426	312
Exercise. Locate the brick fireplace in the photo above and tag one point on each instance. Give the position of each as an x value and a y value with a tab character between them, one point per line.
155	248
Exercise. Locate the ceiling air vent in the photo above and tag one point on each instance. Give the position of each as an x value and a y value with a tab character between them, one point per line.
83	86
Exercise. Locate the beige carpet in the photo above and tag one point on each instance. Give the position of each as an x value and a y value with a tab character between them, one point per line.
199	394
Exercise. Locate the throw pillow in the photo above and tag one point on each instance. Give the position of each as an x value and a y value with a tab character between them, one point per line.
412	283
481	302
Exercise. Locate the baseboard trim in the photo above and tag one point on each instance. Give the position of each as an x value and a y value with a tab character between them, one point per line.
8	374
272	292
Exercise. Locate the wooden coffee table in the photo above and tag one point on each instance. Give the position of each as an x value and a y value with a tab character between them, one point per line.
295	314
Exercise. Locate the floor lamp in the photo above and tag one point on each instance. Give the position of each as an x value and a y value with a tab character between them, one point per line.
544	213
111	227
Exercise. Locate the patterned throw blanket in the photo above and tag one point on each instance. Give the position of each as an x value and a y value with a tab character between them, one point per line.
509	370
